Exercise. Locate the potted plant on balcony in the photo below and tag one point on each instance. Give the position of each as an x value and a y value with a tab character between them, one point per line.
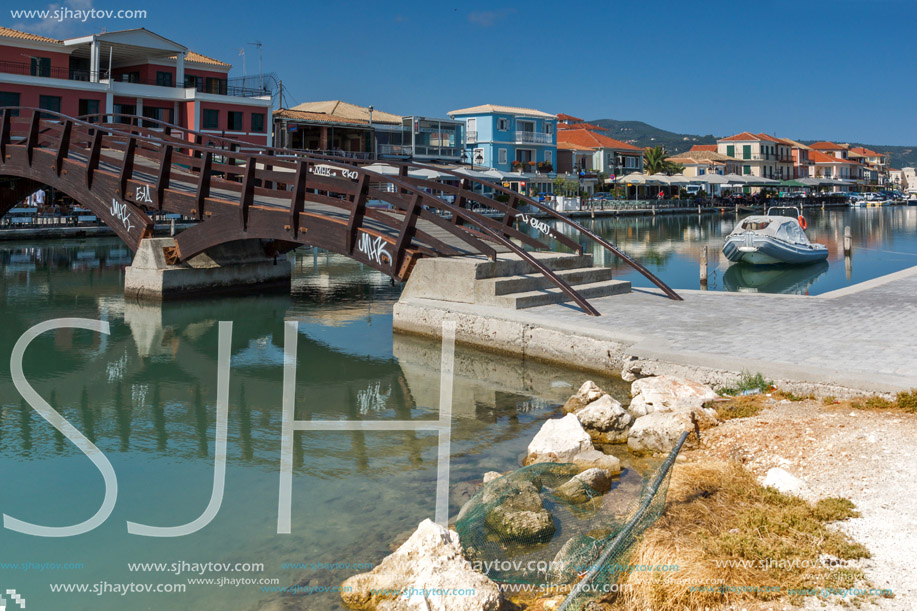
530	166
517	165
545	167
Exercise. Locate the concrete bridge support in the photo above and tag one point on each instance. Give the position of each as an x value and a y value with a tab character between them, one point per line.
231	268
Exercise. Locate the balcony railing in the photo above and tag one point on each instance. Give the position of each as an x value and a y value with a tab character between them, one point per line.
534	138
26	69
439	152
471	136
400	150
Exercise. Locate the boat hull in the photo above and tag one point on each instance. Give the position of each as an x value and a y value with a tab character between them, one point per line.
764	250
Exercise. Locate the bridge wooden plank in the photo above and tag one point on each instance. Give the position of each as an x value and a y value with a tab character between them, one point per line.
248	192
92	162
299	197
165	174
32	141
5	133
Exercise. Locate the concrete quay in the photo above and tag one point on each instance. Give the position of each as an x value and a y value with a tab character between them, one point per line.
858	339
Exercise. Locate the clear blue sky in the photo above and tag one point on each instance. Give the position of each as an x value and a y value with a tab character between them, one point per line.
827	69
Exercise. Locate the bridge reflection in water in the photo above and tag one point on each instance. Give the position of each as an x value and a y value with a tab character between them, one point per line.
145	395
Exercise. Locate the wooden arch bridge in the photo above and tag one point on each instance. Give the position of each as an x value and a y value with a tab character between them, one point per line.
122	169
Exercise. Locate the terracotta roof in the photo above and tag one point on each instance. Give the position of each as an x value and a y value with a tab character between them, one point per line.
569	146
826	146
563	117
704	147
510	110
197	58
317	117
704	156
859	150
743	137
819	157
581	126
797	145
590	139
345	110
11	33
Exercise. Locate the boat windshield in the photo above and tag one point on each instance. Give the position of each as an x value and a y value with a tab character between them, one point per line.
754	225
792	232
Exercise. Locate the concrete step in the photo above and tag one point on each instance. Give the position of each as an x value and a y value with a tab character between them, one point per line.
512	265
546	296
533	282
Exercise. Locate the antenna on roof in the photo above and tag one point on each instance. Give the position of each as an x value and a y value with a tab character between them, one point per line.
258	44
242	53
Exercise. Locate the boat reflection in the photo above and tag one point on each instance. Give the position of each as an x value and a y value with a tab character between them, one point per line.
785	279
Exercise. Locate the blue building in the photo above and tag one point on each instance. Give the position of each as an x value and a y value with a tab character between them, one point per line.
520	143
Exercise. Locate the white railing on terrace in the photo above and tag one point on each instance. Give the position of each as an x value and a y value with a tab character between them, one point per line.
471	136
534	138
394	149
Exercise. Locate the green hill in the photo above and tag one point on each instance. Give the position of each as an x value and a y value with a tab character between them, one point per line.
643	134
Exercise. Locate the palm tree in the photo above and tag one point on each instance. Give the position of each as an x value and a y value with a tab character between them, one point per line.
654	160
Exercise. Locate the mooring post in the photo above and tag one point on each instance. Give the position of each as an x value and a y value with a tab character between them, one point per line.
703	270
698	208
172	227
848	240
737	210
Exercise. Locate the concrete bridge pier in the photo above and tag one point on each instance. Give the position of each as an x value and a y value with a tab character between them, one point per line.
230	268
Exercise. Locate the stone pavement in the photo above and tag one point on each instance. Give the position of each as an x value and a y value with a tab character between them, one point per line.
862	337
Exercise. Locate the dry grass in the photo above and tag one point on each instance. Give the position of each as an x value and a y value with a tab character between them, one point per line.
905	401
717	511
738	407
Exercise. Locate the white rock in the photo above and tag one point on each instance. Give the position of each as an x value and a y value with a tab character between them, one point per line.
430	560
596	458
605	414
659	431
784	481
667	393
586	394
491	476
559	440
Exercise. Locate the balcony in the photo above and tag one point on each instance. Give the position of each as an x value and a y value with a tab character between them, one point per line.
69	74
437	152
533	138
471	137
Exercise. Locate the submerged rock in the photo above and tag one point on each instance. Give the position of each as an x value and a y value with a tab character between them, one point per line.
667	393
520	514
585	486
575	557
491	476
586	394
419	575
559	440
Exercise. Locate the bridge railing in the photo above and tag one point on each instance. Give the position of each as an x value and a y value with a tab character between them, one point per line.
511	212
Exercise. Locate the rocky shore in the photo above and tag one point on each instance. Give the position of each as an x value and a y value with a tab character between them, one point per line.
564	462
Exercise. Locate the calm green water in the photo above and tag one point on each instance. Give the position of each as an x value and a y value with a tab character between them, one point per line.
671	246
145	396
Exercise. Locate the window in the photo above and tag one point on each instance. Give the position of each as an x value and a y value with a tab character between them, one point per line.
41	66
549	157
130	77
746	169
124	109
234	121
164	79
10	99
160	114
194	81
49	102
730	150
746	151
88	107
630	162
502	124
258	122
210	119
548	128
502	156
701	171
216	85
